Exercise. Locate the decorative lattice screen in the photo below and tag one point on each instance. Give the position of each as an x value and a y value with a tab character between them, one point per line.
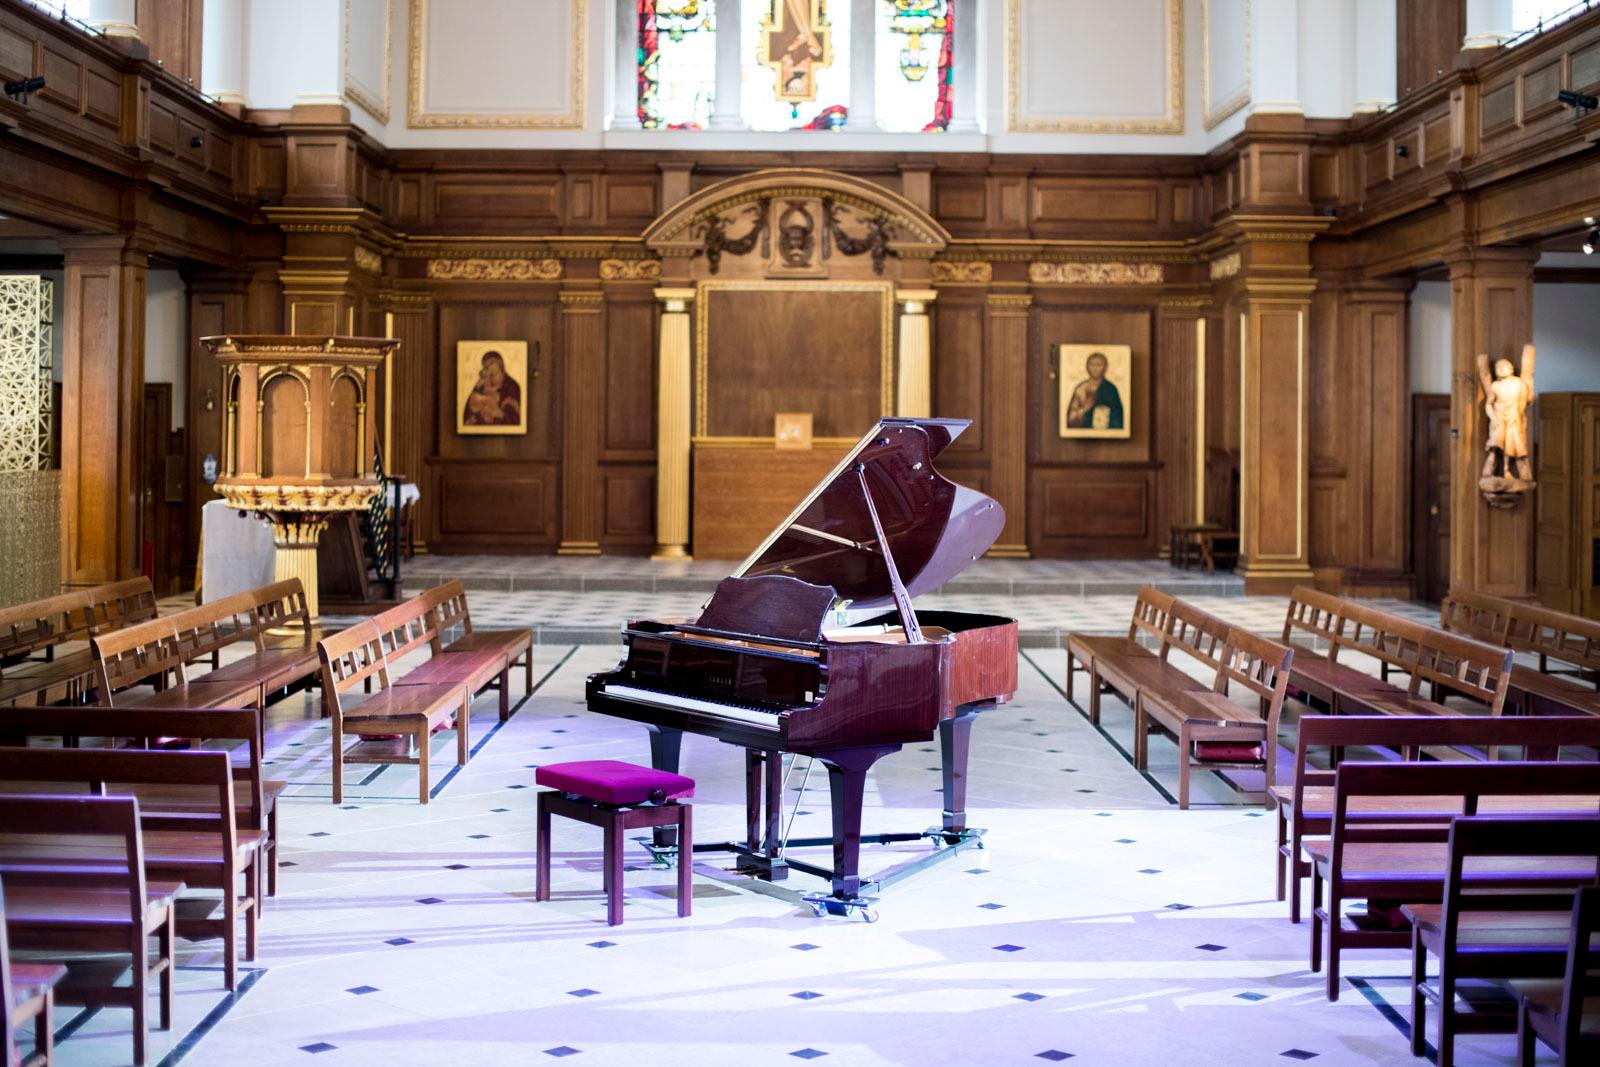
26	303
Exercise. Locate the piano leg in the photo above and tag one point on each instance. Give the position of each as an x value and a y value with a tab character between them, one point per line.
955	739
847	784
763	814
666	744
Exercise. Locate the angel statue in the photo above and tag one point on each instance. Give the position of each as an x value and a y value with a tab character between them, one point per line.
1507	395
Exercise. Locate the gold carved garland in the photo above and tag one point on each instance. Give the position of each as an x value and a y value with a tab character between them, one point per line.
630	270
974	273
495	270
1096	273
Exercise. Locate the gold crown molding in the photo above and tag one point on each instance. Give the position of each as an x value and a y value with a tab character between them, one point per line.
1213	117
310	349
417	117
630	270
519	248
375	105
316	279
1171	123
578	301
1009	303
495	270
1225	266
1184	303
1043	273
398	299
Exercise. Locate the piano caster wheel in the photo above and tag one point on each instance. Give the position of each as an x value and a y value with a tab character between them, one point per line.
828	905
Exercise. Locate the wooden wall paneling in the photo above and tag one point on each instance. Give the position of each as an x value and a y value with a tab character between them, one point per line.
171	29
583	361
1008	411
1222	416
102	395
217	301
628	435
1179	415
413	422
1335	389
1556	520
1491	311
1377	313
1430	35
958	378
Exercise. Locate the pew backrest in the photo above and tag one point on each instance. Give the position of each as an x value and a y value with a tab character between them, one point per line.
206	629
282	604
125	657
39	624
1258	664
1198	634
1151	611
121	604
1504	839
408	627
1472	668
1483	618
1317	615
109	821
1555	635
349	658
448	601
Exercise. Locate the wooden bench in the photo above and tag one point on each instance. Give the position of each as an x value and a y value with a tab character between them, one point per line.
48	628
1533	630
1565	1013
208	852
1385	853
1494	936
1305	802
27	993
1214	732
449	601
412	626
151	652
255	796
110	908
412	712
205	630
1149	621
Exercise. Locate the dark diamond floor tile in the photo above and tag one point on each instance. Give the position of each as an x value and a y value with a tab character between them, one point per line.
991	907
580	993
1251	997
1054	1055
805	994
561	1051
1208	947
1299	1054
602	944
1179	907
431	900
1008	948
808	1053
362	990
320	1046
1029	997
805	946
397	941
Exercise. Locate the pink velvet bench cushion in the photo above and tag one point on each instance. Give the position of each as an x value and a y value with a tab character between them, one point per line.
611	781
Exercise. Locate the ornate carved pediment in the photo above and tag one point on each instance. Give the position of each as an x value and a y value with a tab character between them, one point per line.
797	223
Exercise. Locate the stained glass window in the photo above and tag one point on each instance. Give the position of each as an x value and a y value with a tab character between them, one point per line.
915	42
677	63
758	101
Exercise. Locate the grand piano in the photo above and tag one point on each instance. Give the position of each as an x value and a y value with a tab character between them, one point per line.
813	647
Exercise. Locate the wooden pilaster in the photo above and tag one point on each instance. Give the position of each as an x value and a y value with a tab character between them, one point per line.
1006	346
583	375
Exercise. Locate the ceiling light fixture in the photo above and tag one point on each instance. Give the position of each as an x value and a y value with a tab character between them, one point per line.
1592	243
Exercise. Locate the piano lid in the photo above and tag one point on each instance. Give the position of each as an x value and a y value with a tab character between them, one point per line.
935	528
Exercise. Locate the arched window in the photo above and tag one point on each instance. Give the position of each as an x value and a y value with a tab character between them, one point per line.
915	46
677	63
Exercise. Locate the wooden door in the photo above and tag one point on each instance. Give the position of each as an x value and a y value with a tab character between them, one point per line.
1430	494
153	435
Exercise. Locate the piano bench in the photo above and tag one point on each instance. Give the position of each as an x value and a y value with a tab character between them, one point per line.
616	797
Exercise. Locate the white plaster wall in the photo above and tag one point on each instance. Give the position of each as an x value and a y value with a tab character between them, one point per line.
368	50
1429	328
272	71
166	329
1327	57
1567	335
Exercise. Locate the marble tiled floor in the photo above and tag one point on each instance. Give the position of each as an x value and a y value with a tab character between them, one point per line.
1099	924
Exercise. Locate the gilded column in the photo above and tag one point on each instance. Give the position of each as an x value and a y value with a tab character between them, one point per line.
913	397
672	426
1006	351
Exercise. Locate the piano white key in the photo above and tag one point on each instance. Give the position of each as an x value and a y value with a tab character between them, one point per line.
709	707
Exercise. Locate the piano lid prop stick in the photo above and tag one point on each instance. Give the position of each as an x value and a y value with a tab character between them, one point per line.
902	601
798	797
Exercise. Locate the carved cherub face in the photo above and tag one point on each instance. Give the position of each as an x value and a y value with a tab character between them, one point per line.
1503	368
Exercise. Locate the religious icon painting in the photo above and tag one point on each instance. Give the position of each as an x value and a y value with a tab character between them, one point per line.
1096	390
491	383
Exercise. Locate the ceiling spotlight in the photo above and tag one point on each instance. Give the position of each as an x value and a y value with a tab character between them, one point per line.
23	86
1578	101
1591	242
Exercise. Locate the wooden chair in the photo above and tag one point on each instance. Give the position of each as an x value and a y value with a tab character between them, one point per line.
1305	802
1495	935
62	910
1150	611
449	601
1385	853
412	626
1565	1014
199	845
1215	733
28	992
351	658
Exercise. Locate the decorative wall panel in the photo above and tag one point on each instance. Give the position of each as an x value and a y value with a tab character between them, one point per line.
1224	58
1084	66
27	306
516	64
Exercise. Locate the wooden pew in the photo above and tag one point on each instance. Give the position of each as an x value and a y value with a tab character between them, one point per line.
1387	853
151	652
413	626
1150	611
108	908
210	852
49	627
351	658
27	993
1305	802
1533	630
1565	1013
1499	936
205	630
255	796
449	600
1213	732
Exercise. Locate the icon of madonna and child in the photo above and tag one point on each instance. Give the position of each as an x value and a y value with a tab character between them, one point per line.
1095	390
489	386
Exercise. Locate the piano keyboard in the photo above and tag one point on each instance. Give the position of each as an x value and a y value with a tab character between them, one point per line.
742	712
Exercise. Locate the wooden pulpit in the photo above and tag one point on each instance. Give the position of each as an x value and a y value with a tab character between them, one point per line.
299	429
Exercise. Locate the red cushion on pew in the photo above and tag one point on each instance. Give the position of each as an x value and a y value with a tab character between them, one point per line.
613	782
1226	751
